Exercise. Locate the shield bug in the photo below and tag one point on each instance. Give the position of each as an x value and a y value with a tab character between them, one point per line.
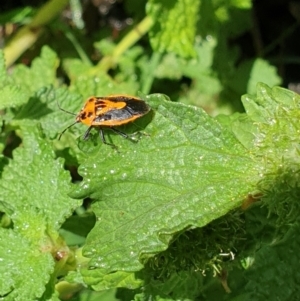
108	112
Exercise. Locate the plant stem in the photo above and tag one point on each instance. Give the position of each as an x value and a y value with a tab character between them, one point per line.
130	39
83	56
28	34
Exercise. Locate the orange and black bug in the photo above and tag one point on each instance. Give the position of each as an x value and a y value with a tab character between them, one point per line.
108	112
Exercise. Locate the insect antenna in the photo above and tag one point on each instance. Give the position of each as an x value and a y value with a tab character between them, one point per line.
66	129
71	113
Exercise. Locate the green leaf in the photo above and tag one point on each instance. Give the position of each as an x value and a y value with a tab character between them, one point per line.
282	261
181	286
101	85
205	83
174	25
189	171
24	82
75	67
259	71
186	173
44	107
275	116
101	281
174	67
242	4
34	188
28	181
262	71
18	15
12	96
42	72
24	270
270	255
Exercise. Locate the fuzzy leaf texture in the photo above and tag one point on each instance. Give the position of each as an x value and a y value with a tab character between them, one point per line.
174	25
28	181
24	270
41	73
34	195
271	271
18	88
10	95
188	171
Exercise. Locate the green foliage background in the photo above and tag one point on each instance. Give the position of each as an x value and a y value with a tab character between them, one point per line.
199	206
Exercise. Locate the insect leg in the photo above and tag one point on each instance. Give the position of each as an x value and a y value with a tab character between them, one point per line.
87	133
101	134
120	133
